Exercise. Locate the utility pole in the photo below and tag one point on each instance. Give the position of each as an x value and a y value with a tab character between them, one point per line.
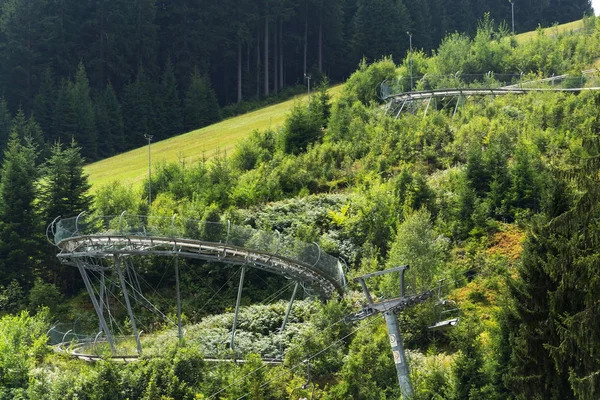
149	137
410	59
512	11
390	309
307	76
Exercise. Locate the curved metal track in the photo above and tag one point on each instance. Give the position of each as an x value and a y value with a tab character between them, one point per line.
107	246
426	94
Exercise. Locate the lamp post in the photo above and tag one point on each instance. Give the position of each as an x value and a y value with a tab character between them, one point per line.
512	12
410	63
307	77
149	138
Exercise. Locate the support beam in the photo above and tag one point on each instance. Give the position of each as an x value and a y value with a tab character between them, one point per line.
399	356
127	302
237	308
289	308
90	289
179	330
101	294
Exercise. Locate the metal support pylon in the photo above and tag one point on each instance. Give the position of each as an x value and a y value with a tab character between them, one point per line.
179	329
99	310
128	303
390	308
237	309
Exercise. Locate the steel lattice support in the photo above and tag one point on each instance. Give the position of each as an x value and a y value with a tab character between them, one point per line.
127	302
99	310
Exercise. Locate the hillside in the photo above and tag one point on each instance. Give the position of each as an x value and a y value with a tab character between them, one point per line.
131	167
492	201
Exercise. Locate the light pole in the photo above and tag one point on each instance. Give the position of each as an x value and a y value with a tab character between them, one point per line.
410	59
512	11
307	76
149	137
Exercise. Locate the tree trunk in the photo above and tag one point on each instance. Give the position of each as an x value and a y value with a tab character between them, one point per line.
275	60
257	64
281	54
266	66
239	72
321	38
305	40
102	34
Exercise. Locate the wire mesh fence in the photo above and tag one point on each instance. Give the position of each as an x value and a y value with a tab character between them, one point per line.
490	80
309	254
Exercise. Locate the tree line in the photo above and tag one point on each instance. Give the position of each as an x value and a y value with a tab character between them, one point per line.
144	58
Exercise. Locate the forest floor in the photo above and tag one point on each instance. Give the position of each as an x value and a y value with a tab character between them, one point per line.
220	138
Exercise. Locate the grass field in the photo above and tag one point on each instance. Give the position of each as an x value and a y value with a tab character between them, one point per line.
553	30
131	167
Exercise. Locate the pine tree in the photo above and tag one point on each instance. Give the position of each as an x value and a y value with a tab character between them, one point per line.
64	121
5	124
86	133
555	329
110	123
19	222
138	110
44	103
200	106
171	117
64	189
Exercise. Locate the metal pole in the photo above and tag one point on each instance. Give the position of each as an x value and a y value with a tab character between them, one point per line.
102	290
149	137
127	303
309	92
237	307
90	289
399	356
289	309
180	331
410	60
512	11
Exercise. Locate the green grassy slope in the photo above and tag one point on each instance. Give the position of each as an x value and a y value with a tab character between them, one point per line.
132	166
569	26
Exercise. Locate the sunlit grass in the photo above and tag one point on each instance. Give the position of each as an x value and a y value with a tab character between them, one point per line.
131	167
552	30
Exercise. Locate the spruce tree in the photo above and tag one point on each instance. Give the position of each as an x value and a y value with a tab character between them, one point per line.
200	107
86	133
171	117
19	222
64	189
138	110
44	103
5	123
64	121
109	119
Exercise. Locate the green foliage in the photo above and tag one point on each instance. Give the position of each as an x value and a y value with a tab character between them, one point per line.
200	105
362	84
416	244
302	128
64	186
45	294
19	222
22	349
115	198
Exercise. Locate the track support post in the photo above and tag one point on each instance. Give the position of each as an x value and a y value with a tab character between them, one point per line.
237	310
289	308
99	311
127	303
179	329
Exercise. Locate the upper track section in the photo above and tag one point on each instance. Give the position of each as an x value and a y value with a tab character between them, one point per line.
92	238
